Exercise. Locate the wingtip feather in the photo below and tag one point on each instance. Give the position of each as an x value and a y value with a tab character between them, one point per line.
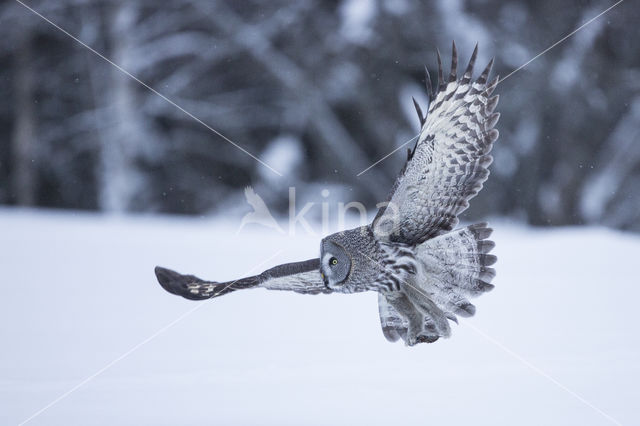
176	283
441	82
454	63
485	73
427	82
418	111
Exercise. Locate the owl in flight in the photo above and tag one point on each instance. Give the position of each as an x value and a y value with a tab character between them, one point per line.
423	270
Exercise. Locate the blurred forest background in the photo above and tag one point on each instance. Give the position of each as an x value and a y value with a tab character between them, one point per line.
319	90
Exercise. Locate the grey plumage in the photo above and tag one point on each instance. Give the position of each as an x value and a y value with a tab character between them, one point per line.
450	163
454	267
424	272
300	277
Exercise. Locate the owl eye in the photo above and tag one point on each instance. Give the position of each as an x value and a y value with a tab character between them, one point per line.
333	261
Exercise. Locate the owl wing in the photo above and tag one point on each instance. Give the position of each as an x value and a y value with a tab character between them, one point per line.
300	277
449	163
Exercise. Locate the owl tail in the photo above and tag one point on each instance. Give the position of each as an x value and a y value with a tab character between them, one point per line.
458	266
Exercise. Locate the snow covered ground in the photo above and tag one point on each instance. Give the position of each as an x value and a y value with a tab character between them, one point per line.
78	292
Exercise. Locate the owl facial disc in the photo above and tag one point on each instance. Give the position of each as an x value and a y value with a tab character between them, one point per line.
335	264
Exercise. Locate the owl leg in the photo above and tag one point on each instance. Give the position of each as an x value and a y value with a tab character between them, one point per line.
407	309
435	320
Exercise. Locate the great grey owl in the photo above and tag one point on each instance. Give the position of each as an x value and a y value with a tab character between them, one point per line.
423	270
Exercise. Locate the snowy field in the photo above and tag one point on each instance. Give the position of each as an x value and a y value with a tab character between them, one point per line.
554	343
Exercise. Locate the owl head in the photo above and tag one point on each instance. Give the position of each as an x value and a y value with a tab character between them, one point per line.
343	264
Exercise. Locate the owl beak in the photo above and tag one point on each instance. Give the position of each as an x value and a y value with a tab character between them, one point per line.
325	281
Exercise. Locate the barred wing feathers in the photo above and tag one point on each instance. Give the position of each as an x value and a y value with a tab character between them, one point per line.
457	266
449	163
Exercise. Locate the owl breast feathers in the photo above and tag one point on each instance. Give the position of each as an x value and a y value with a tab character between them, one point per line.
423	270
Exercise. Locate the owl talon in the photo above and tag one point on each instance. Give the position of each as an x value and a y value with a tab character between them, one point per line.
427	339
421	338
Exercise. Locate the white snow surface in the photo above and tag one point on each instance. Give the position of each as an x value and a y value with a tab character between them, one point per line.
78	292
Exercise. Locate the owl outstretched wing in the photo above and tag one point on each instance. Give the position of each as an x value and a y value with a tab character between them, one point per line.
300	277
450	160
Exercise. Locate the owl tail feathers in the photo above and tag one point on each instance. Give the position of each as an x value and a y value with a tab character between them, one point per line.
193	288
460	265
